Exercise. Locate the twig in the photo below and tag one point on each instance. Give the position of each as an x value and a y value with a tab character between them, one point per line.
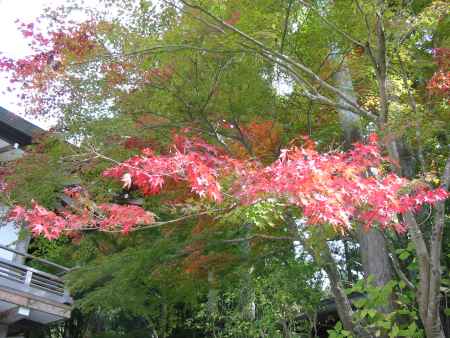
255	236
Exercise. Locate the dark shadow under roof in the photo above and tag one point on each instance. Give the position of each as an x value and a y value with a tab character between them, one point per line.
15	129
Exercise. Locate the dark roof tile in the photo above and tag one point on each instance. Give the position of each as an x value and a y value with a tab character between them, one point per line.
15	129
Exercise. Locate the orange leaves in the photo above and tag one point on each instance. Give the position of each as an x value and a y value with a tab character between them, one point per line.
234	18
439	84
159	75
198	261
115	73
76	42
263	138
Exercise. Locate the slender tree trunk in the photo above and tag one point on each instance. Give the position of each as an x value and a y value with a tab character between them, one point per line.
343	304
212	294
429	261
163	320
348	266
324	256
247	297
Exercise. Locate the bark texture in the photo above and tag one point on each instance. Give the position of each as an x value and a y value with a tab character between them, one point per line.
373	249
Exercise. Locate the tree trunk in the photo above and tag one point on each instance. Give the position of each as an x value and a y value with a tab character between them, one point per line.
247	297
350	122
343	304
212	294
373	249
429	261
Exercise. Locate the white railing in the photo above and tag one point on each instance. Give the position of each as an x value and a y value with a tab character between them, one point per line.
25	279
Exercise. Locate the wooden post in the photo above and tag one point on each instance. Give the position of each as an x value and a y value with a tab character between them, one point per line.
28	277
3	331
22	247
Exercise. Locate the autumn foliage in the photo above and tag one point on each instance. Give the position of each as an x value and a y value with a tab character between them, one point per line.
83	216
52	52
439	84
337	188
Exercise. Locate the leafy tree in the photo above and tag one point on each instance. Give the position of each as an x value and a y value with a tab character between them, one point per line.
215	71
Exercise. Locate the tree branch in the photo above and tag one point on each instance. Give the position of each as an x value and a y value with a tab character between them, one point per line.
282	57
423	259
262	236
435	253
396	264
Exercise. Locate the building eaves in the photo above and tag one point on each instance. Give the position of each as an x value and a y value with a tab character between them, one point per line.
15	129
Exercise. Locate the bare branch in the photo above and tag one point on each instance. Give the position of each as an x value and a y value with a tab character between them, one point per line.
262	236
285	59
286	25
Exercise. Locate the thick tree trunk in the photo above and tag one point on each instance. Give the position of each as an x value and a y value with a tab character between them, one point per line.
350	122
375	259
373	249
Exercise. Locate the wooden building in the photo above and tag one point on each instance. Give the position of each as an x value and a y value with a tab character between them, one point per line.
28	297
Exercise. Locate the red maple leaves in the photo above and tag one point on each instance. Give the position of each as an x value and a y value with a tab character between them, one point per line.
337	188
191	160
86	216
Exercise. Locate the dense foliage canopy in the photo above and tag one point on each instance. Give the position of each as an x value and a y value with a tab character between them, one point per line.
224	168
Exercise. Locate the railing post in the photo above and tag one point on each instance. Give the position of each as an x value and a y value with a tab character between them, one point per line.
3	331
66	297
28	277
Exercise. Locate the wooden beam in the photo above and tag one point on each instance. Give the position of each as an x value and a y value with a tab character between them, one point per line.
35	303
6	148
14	315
